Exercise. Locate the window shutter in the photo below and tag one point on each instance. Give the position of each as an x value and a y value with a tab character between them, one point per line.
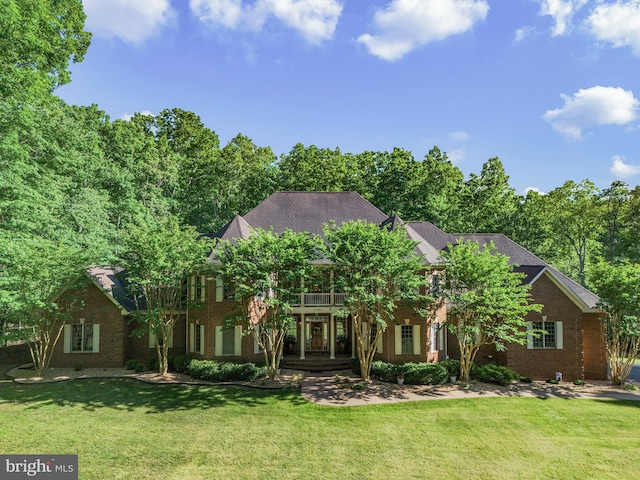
366	334
380	342
398	339
218	340
416	340
96	338
152	338
559	336
529	336
201	339
67	339
256	335
203	288
433	338
170	335
238	341
219	289
192	287
441	330
192	337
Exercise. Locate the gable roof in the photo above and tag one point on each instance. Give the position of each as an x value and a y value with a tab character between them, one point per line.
110	280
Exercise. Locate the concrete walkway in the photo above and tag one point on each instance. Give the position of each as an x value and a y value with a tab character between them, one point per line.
347	390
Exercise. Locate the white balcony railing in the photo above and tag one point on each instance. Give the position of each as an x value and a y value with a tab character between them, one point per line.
319	299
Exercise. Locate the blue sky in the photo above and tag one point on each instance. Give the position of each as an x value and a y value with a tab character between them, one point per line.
551	87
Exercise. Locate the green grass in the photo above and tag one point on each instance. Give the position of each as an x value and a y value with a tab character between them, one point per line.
122	429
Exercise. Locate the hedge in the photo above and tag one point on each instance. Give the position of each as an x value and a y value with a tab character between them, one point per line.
213	371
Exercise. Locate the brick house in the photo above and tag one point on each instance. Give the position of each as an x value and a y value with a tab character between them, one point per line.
573	345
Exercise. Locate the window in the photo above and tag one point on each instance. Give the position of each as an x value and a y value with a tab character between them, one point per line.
81	338
225	292
228	341
197	288
434	284
407	339
196	338
552	339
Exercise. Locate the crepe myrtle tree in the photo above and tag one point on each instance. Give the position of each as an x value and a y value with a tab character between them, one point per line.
39	281
374	266
158	258
267	270
486	300
619	289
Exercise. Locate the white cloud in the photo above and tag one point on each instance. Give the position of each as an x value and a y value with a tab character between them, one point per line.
533	189
129	116
623	170
617	23
316	20
459	136
404	25
130	20
456	156
523	33
562	12
591	107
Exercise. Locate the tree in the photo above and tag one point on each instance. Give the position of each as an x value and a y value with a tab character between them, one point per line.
39	38
374	266
39	280
619	290
576	219
158	259
486	300
266	270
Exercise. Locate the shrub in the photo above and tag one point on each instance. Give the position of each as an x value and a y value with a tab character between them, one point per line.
131	364
414	373
526	379
491	373
451	366
225	371
153	364
554	381
579	383
384	371
139	368
180	363
355	365
424	373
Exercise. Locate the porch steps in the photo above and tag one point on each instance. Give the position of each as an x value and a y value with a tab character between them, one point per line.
311	364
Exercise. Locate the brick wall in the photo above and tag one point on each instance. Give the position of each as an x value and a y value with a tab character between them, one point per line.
98	309
540	364
595	351
15	354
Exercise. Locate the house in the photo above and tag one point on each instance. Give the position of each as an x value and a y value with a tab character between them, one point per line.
100	334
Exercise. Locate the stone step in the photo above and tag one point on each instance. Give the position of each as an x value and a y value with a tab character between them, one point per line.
316	365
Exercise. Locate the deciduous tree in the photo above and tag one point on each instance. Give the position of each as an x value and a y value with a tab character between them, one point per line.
486	300
619	289
266	270
374	266
158	259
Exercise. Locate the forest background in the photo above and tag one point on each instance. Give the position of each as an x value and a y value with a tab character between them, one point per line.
70	176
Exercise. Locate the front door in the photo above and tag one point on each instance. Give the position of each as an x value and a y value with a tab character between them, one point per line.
316	336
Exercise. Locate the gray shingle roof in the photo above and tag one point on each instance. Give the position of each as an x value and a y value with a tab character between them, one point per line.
111	281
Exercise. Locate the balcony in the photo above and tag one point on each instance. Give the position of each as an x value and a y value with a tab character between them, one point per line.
319	299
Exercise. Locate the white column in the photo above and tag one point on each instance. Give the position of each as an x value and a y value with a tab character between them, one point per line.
332	338
353	339
303	336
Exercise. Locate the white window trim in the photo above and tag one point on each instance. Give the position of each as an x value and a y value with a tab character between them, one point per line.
237	347
67	338
559	337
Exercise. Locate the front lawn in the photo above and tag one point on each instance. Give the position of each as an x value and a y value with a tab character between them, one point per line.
123	429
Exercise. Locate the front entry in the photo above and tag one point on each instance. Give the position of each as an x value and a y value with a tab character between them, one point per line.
317	334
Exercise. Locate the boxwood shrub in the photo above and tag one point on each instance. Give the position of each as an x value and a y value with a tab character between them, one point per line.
491	373
414	373
213	371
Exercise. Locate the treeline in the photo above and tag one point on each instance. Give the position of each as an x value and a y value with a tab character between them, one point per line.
69	175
